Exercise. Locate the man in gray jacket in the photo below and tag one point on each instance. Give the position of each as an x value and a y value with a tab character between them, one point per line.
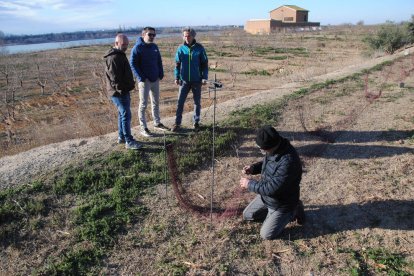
277	202
119	83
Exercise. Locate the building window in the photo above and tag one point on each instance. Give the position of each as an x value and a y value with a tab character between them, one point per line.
288	19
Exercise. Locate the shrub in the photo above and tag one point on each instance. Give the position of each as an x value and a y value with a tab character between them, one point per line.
410	28
389	38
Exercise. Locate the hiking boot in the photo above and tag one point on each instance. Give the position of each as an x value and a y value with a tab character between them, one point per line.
121	140
133	145
161	127
196	126
145	132
300	214
176	128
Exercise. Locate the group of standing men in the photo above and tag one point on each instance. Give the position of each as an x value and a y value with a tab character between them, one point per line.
191	71
277	202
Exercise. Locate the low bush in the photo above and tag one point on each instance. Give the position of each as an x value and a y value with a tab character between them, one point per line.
391	37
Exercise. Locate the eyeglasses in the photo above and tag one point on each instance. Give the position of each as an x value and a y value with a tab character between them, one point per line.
151	34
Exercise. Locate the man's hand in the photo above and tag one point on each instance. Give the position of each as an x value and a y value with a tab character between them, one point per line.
244	182
177	82
247	170
203	81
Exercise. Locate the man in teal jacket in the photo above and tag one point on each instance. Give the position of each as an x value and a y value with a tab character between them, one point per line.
191	71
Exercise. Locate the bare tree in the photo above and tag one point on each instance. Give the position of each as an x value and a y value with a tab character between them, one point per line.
5	70
55	74
233	75
40	81
98	74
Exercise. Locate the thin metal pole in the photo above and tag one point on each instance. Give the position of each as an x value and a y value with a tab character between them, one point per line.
213	153
165	169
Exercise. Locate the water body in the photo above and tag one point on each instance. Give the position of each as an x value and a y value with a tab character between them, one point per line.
29	48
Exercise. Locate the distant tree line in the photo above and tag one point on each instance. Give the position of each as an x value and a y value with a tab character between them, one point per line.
83	35
1	38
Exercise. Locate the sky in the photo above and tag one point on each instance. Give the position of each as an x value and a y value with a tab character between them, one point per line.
54	16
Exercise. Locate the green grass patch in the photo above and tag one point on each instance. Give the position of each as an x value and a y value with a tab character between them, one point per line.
380	260
277	57
260	51
255	72
217	70
196	150
212	52
75	262
19	209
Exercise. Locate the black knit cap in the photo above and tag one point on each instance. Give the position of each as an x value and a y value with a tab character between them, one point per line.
267	137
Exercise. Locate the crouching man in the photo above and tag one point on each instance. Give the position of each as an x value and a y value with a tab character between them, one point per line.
277	202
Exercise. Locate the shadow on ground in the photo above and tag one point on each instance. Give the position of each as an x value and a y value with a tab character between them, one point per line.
330	219
328	146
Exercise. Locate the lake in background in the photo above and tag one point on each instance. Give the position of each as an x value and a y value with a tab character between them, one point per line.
28	48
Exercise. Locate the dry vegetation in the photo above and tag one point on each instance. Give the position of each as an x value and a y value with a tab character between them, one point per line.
355	138
357	188
57	95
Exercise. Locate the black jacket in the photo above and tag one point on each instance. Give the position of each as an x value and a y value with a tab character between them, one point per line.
281	173
119	78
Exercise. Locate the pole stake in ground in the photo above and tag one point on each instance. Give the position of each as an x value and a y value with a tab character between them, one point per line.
213	86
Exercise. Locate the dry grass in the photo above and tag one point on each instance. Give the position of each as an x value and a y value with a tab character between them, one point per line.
357	187
74	101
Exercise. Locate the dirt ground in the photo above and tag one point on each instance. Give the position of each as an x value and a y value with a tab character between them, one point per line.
357	189
357	151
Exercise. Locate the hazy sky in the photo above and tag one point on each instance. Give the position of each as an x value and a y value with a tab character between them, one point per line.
45	16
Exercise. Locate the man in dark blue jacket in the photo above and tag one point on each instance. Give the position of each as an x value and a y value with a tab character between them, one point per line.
277	202
191	71
146	64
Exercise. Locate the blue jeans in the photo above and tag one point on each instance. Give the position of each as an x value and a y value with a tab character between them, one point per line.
274	220
182	96
123	104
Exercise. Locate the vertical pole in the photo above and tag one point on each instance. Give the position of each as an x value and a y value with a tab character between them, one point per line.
213	152
165	169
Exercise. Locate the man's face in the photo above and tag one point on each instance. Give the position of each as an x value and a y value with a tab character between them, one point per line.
187	37
122	44
149	36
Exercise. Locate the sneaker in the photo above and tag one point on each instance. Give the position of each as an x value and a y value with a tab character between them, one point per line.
300	214
145	132
176	128
161	127
133	145
196	126
121	140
